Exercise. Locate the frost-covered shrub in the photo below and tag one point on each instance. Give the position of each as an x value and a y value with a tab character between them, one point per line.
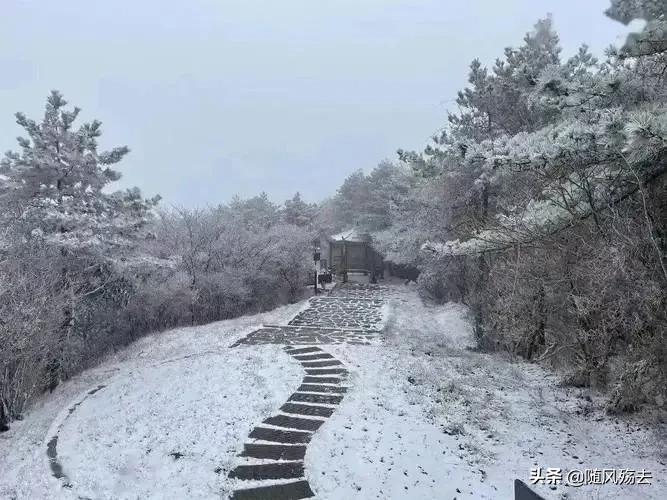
31	305
431	285
158	303
222	295
237	258
442	283
587	303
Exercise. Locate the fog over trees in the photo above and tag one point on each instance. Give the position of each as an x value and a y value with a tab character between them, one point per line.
540	204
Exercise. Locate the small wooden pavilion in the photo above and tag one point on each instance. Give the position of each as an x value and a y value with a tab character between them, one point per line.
351	252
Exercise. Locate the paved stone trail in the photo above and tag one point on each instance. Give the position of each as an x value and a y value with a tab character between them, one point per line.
348	314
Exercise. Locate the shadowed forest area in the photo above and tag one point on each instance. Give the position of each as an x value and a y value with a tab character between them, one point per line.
540	204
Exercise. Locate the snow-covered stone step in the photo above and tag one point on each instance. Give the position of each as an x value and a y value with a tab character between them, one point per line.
313	357
280	436
282	470
303	350
309	410
309	379
306	424
317	364
322	388
273	451
288	491
316	398
326	371
281	428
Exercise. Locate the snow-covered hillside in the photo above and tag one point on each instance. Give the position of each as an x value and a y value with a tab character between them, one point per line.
425	417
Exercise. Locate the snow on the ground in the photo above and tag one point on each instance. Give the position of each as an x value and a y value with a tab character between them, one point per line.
174	424
172	393
429	418
425	418
379	444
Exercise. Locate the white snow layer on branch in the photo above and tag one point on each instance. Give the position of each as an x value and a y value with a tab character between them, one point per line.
541	218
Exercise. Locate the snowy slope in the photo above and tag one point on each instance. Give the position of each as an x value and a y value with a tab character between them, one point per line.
424	418
181	392
428	418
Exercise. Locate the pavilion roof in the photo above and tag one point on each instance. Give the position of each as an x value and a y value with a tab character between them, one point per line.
351	235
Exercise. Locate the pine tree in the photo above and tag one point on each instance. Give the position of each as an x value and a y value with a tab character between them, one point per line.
54	186
52	195
297	212
257	213
496	104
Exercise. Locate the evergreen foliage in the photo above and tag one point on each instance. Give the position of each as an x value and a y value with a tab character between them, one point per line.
542	206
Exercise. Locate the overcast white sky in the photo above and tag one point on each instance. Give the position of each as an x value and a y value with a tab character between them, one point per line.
224	97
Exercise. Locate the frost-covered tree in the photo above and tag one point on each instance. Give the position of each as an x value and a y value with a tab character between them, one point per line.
54	185
367	201
257	212
297	212
63	229
351	197
495	104
653	38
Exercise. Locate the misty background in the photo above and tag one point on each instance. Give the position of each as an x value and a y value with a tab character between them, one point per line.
237	97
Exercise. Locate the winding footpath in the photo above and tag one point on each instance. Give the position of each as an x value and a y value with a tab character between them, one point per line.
273	457
271	465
